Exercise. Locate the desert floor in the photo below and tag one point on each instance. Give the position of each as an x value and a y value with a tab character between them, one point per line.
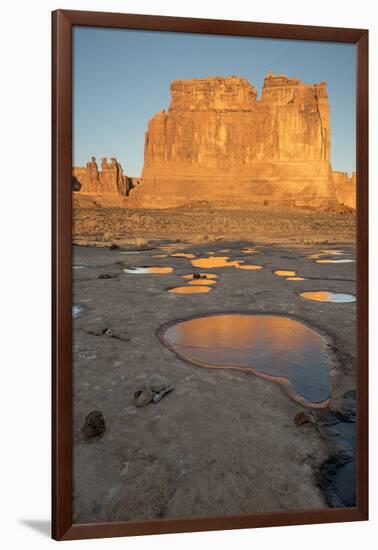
223	442
203	224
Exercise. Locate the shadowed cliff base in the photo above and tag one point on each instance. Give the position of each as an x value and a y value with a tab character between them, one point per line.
101	226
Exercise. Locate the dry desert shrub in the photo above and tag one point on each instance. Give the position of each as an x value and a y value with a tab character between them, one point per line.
138	243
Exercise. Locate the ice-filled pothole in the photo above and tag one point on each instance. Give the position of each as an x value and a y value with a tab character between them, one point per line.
77	310
216	261
328	261
325	296
183	255
202	281
273	347
190	289
249	266
285	273
151	269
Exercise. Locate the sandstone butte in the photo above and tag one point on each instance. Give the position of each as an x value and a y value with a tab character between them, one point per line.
221	145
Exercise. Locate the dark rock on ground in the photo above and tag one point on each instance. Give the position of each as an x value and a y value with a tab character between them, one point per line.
94	425
106	276
304	417
155	388
143	397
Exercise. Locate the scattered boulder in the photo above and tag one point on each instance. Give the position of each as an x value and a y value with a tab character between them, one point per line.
160	386
143	397
158	382
106	276
114	246
305	417
155	388
94	425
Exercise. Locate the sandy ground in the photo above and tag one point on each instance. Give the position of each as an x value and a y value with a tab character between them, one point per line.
222	442
266	225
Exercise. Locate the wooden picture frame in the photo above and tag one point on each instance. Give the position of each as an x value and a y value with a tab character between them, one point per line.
62	23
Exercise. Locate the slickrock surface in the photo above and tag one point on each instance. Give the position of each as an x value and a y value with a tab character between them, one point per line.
218	142
222	442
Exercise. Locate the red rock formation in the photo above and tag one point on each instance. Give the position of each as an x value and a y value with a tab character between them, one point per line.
345	187
219	143
109	182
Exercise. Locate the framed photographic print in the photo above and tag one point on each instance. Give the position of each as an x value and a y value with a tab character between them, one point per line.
210	307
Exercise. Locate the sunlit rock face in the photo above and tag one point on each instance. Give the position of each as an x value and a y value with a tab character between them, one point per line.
108	183
218	143
345	187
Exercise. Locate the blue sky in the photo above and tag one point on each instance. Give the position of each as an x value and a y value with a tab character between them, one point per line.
121	79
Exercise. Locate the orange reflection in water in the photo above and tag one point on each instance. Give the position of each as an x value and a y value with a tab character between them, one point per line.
282	349
146	270
190	290
335	261
215	261
296	279
283	273
203	281
182	255
325	296
252	267
327	253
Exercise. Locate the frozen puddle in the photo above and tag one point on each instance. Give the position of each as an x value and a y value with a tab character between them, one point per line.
343	261
318	255
182	255
202	281
276	348
325	296
223	261
77	310
285	273
146	270
250	266
190	289
215	261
